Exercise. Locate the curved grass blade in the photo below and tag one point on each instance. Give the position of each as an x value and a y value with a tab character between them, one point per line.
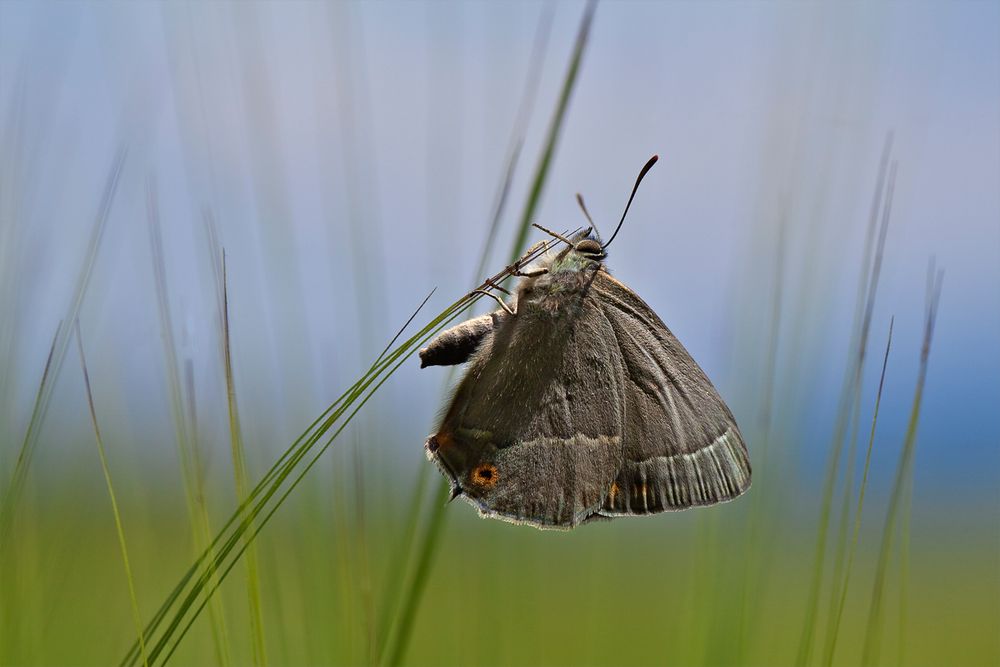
408	347
196	587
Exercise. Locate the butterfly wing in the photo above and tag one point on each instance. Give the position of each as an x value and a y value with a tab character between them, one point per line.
681	445
533	433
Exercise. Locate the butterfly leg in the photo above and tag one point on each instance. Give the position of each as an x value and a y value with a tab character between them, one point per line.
456	345
534	273
496	298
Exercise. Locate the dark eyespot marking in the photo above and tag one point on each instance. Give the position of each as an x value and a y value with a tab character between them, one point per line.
589	247
485	475
439	440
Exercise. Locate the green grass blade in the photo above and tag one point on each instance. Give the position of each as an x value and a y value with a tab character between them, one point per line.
904	574
840	545
834	629
111	495
210	554
356	397
428	550
904	472
555	128
863	308
240	475
185	438
12	493
536	63
755	545
266	517
196	587
401	566
433	526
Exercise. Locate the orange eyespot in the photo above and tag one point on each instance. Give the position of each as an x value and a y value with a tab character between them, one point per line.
485	475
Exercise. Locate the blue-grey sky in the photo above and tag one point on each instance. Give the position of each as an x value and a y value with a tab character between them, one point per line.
354	149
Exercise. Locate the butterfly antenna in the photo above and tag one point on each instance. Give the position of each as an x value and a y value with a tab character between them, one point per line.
583	207
642	173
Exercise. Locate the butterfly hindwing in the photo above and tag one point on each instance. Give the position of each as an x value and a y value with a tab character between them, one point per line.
681	445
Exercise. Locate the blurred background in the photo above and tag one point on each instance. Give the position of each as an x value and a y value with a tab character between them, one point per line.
349	158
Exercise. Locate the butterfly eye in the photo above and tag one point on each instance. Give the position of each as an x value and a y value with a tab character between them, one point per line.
589	247
485	475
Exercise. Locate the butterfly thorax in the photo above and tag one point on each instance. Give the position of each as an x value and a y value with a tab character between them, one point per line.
561	290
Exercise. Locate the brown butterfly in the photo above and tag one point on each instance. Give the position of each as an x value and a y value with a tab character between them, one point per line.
578	403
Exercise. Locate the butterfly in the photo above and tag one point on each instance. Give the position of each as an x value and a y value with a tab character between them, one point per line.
578	403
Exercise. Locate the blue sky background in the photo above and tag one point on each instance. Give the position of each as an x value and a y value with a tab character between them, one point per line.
356	149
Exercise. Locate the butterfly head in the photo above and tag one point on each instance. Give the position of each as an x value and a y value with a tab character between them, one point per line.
590	248
582	250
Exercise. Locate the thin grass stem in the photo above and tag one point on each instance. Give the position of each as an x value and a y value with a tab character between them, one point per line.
401	564
863	306
833	632
555	128
114	501
434	525
57	354
240	475
422	575
755	548
184	436
904	472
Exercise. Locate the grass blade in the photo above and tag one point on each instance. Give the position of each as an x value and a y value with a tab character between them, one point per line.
197	586
536	63
433	526
840	546
863	308
555	127
755	544
57	354
111	495
904	472
240	475
428	548
832	633
401	568
185	437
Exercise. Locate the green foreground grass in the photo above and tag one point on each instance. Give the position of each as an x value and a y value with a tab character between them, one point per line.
627	592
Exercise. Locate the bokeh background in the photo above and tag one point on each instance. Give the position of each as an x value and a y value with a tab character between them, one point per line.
348	157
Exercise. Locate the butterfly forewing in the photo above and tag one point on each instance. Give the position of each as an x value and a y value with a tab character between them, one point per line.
533	433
